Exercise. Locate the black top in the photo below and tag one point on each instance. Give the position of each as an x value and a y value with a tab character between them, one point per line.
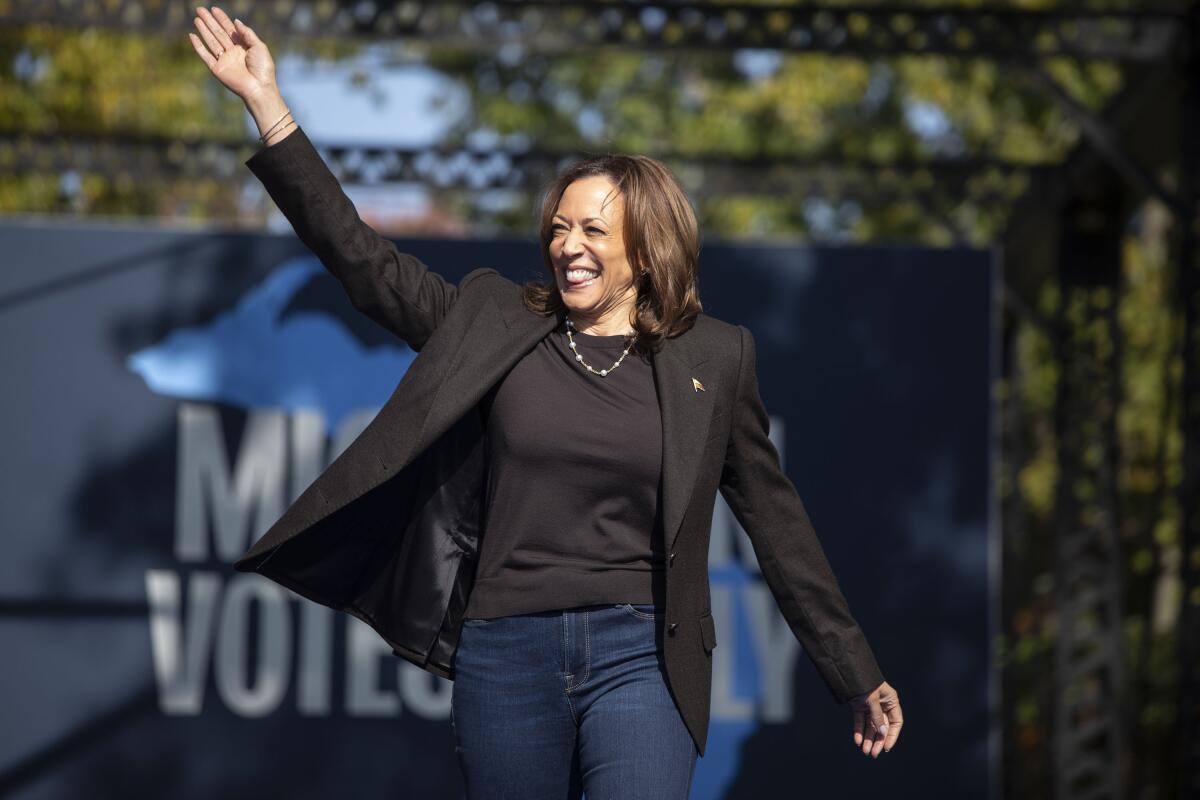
572	505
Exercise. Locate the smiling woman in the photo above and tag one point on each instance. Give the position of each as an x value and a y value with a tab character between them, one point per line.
589	254
529	525
627	228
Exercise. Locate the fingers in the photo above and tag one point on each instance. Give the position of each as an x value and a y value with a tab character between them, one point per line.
217	38
877	720
895	719
205	56
879	727
892	735
214	47
219	33
225	22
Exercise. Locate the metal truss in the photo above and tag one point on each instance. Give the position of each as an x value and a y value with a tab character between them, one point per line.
1188	492
553	26
1089	685
934	184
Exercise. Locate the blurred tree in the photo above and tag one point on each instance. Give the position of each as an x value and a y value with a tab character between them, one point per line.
66	81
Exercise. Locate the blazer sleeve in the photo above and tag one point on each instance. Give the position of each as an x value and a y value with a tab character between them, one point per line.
394	289
766	503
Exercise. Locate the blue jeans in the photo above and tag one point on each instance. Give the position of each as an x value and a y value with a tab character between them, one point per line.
555	703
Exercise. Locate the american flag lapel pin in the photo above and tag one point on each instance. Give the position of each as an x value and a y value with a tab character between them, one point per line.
697	385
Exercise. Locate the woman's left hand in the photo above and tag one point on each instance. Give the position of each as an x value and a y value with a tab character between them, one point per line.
879	714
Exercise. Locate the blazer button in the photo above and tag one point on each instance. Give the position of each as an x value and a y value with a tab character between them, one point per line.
671	628
671	559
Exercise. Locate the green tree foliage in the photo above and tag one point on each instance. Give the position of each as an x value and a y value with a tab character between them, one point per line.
788	109
81	82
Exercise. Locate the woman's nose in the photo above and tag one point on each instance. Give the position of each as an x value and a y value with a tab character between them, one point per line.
572	244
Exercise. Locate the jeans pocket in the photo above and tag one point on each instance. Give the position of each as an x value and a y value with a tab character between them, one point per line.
646	611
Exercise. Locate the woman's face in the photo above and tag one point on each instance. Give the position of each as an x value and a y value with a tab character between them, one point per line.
587	248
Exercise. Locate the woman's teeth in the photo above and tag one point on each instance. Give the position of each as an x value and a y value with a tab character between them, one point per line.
581	277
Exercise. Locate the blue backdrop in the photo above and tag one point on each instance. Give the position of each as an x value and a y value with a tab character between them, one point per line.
168	392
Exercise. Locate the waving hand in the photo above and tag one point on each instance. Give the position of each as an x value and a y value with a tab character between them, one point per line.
233	53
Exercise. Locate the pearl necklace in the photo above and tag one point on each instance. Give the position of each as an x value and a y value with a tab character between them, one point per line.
601	372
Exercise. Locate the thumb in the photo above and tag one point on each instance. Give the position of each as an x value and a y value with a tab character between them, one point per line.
878	718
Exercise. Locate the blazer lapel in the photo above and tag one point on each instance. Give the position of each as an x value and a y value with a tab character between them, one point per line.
686	415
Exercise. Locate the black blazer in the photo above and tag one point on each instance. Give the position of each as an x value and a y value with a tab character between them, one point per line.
389	532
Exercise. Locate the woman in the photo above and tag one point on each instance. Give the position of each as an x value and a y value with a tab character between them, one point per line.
577	631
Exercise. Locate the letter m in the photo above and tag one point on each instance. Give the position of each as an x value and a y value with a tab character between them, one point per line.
207	495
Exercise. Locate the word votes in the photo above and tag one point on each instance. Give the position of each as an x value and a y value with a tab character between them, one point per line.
216	632
263	647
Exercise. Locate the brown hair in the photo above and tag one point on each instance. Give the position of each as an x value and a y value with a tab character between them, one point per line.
662	243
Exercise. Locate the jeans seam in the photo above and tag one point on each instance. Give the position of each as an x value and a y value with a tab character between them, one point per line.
633	612
566	654
571	705
568	688
587	656
587	650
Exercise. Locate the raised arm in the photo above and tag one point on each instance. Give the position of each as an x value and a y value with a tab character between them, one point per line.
395	289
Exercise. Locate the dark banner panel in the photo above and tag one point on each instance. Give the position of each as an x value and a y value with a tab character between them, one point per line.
168	393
